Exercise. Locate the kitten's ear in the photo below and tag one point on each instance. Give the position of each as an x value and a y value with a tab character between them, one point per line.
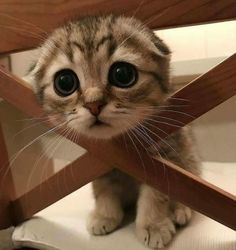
29	77
162	48
162	55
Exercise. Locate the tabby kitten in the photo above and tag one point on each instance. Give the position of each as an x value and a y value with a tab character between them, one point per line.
105	75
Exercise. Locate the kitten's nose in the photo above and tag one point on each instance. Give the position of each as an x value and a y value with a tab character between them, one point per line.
95	107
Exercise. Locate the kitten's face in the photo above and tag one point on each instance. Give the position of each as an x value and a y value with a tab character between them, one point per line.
104	75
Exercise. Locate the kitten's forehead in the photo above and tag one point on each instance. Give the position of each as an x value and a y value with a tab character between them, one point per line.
92	44
89	34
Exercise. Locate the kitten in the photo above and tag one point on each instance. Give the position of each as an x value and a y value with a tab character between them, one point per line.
105	75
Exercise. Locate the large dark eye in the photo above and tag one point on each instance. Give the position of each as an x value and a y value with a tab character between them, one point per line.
66	82
122	74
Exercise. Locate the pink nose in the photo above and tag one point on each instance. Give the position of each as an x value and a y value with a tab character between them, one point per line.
95	107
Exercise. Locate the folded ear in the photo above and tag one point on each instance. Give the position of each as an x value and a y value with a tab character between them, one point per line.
161	46
29	77
162	55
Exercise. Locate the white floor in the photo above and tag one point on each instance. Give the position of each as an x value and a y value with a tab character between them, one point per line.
63	225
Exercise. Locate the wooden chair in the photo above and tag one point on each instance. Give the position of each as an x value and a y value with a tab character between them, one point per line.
203	94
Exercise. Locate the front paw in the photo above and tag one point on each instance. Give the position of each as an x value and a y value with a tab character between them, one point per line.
157	235
182	215
101	225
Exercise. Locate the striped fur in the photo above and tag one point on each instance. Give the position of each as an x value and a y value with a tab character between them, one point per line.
89	47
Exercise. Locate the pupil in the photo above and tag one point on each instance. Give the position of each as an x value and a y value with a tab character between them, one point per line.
124	74
66	82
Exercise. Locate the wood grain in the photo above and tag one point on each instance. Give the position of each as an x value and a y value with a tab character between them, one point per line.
82	171
186	105
174	181
24	24
6	186
165	176
201	95
19	94
197	98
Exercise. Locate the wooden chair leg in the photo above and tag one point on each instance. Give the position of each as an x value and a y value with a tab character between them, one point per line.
6	186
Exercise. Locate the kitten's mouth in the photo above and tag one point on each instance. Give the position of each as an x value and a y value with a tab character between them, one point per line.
98	123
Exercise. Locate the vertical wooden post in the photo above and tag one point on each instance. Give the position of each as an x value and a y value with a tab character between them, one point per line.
6	186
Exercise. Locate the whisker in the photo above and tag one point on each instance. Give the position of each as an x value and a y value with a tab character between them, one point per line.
64	177
149	140
161	122
56	145
155	108
155	144
139	132
135	31
28	127
173	105
158	106
178	112
32	119
180	99
24	22
74	138
48	146
151	143
166	118
163	140
155	127
28	145
27	32
138	8
140	157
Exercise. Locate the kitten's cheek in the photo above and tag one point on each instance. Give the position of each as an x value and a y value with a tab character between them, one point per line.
72	124
80	124
75	125
56	119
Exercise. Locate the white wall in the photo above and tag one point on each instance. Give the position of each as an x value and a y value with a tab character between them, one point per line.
201	41
215	133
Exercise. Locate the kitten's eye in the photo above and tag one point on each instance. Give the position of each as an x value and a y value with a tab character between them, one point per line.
66	82
122	74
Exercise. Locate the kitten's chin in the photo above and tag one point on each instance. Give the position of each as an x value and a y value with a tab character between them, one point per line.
102	132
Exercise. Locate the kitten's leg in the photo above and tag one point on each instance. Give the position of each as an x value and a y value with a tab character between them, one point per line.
182	214
108	212
107	216
154	226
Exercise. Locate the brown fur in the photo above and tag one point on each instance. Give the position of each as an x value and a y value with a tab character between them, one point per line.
89	46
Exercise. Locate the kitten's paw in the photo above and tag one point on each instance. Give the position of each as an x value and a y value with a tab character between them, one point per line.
157	236
99	225
182	215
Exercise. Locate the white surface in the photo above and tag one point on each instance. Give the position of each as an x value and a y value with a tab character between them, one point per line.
5	239
201	41
63	225
215	133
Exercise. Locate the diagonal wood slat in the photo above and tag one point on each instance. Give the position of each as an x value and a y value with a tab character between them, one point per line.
195	99
19	94
24	23
82	171
218	84
167	177
6	185
199	96
179	184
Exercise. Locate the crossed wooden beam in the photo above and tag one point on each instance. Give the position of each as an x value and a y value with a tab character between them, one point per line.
201	95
